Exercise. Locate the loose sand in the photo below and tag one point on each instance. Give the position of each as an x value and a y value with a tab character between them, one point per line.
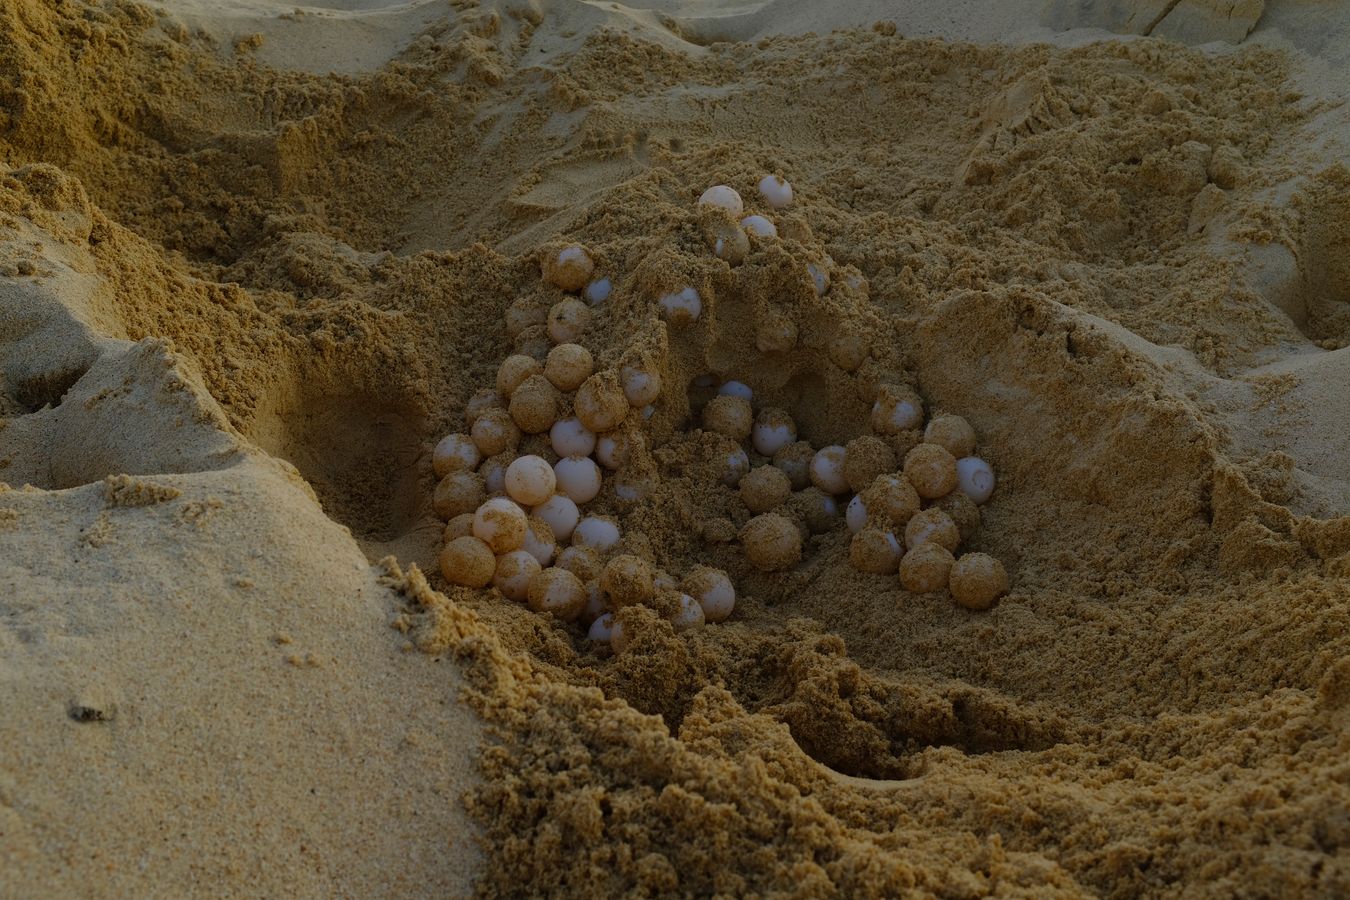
256	259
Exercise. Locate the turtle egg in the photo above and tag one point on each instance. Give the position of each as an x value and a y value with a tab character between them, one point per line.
454	452
897	409
932	470
934	526
729	416
925	568
457	493
595	532
602	629
568	365
723	196
514	572
795	462
639	386
534	405
615	449
595	601
773	430
764	489
737	464
468	561
776	191
568	321
569	437
458	527
600	403
494	432
560	513
975	477
627	580
539	541
855	514
771	542
977	580
952	432
875	551
759	226
737	389
481	402
578	478
493	471
688	615
514	370
530	480
598	291
815	508
681	307
569	269
713	590
582	562
827	470
557	591
500	524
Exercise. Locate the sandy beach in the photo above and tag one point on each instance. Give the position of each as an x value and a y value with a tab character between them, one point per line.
258	260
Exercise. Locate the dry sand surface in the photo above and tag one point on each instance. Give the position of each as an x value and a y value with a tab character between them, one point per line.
256	259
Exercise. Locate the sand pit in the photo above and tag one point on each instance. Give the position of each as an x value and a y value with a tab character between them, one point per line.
256	263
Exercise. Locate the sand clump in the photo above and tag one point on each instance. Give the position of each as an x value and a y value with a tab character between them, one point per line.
1086	254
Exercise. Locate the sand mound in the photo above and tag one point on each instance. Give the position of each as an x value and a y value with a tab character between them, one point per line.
1116	260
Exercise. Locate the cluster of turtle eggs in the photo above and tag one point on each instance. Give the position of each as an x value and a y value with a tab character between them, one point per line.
515	521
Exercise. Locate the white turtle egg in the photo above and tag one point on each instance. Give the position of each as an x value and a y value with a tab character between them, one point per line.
570	438
713	590
602	629
493	471
595	532
530	480
723	196
455	452
598	291
773	430
682	306
759	226
776	191
689	615
540	541
737	465
855	514
737	389
975	477
640	386
560	513
578	478
514	571
827	470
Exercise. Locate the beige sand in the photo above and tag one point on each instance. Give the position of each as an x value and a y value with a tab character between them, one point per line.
222	267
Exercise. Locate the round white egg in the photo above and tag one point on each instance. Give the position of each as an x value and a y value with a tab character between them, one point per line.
724	196
570	438
560	513
975	478
530	480
578	477
597	533
681	306
776	191
760	226
827	470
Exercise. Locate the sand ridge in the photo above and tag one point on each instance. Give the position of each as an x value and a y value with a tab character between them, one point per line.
1115	259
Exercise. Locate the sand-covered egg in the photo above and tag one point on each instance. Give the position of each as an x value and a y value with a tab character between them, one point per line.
932	525
771	542
539	540
467	561
794	461
759	226
500	524
764	489
557	592
568	321
626	580
932	470
681	307
569	269
977	580
730	416
953	433
713	590
926	568
600	403
514	370
494	432
530	480
568	365
454	452
458	492
514	571
866	458
688	613
897	408
640	385
534	405
875	551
